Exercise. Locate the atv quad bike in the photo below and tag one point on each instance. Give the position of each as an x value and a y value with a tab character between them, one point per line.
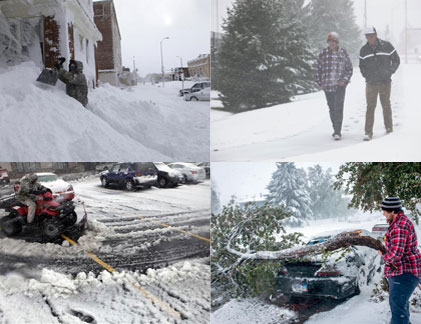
52	219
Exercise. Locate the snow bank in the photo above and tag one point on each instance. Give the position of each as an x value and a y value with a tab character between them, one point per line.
252	311
41	123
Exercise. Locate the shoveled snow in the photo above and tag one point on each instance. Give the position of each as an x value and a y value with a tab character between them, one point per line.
301	130
146	122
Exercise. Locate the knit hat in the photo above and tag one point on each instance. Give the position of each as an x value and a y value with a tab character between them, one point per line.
391	203
333	36
370	30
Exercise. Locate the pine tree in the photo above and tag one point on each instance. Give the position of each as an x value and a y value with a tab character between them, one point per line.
265	57
326	16
326	202
288	188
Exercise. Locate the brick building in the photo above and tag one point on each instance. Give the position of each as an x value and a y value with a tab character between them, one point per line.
44	30
108	52
200	66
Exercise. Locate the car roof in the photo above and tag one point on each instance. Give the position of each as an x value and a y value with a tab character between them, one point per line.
44	173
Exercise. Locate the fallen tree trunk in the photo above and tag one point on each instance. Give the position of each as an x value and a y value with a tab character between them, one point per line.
344	239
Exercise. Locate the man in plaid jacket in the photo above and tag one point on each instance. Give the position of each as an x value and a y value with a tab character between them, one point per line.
333	72
403	259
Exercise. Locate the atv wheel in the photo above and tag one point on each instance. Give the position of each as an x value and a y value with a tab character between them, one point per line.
52	228
70	219
130	185
9	227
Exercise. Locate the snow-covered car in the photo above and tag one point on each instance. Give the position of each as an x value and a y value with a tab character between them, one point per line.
332	278
206	166
191	172
196	87
203	95
379	230
130	175
60	189
4	176
168	177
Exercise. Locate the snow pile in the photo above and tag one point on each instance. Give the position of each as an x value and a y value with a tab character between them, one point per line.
252	311
41	123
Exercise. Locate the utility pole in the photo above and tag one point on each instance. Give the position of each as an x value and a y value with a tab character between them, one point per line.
182	73
162	62
365	14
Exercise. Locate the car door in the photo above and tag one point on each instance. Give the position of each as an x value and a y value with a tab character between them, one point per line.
112	176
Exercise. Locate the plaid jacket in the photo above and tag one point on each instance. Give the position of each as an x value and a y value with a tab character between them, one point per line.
401	245
333	67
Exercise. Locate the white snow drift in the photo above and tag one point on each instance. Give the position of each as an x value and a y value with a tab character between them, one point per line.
146	122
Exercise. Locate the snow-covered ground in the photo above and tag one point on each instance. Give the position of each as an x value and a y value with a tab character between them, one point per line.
358	309
160	269
146	122
301	130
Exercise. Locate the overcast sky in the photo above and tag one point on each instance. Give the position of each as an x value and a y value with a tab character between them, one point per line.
143	23
248	180
379	13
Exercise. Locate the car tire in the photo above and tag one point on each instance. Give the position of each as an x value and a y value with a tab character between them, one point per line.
162	183
130	185
185	179
193	98
104	182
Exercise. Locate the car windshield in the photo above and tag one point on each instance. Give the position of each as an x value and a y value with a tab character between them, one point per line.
47	178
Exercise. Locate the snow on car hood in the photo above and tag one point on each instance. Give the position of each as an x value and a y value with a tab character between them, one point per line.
56	186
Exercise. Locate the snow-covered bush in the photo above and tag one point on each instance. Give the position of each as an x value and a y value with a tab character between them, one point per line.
256	228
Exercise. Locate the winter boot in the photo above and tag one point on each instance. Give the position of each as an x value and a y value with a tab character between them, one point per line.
337	137
368	137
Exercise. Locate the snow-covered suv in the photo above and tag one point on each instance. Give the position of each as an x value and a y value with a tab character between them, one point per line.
196	87
4	176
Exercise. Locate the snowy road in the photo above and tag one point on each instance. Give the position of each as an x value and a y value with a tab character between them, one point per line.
126	231
301	130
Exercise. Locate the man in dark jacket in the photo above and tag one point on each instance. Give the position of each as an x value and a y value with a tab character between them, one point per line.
75	80
378	61
333	72
27	194
402	258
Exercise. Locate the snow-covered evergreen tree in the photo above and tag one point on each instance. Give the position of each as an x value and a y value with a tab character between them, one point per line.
265	57
288	187
326	202
325	16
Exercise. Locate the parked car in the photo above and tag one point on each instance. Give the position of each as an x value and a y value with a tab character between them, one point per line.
60	189
338	279
168	177
203	95
131	175
206	166
379	230
196	87
4	176
191	172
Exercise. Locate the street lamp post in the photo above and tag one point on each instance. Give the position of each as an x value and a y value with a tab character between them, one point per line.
182	73
162	61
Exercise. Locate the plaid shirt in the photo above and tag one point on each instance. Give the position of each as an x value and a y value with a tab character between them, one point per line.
333	67
401	245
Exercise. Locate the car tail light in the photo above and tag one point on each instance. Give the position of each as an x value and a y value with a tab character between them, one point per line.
193	172
283	270
139	174
328	272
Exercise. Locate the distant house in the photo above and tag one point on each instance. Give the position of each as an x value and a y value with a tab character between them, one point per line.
108	52
200	66
44	30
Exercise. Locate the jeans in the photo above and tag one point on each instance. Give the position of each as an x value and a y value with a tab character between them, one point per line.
372	91
335	101
400	290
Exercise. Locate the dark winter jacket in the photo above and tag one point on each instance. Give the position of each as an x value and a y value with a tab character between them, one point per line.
28	189
379	63
76	85
333	67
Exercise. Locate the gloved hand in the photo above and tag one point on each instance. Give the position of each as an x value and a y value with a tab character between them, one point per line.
57	66
61	60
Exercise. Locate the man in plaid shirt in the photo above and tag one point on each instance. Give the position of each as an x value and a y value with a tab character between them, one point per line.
333	72
403	259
